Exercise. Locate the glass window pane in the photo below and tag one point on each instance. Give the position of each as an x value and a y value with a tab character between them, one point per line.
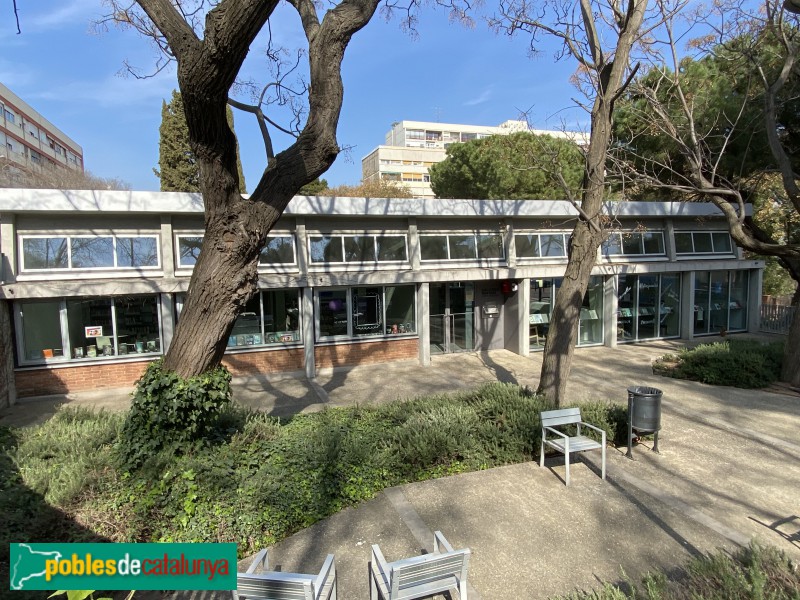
189	250
722	242
552	244
326	249
540	307
400	314
653	242
332	312
247	326
719	301
490	246
701	302
359	248
591	319
137	324
627	300
737	306
433	247
92	253
45	253
137	252
278	250
669	309
702	242
91	332
391	247
648	307
527	245
41	330
612	246
281	316
632	243
462	247
367	311
683	243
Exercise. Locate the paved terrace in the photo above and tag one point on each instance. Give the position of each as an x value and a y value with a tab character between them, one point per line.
728	472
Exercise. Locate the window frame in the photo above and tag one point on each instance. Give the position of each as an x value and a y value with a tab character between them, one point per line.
644	254
342	234
177	236
351	335
24	270
476	235
538	235
730	251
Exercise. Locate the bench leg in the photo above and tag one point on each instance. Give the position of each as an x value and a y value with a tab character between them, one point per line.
541	455
603	467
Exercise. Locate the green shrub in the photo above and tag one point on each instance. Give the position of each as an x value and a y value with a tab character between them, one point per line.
737	363
168	410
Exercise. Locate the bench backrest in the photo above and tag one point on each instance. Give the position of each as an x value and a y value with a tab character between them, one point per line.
275	586
428	571
564	416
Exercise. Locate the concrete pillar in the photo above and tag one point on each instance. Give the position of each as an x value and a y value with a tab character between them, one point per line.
523	317
610	310
307	306
687	305
167	320
8	249
424	323
302	246
669	240
413	245
510	245
8	390
167	250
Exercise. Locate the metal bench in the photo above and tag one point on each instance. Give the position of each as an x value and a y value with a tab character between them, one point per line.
274	585
567	444
420	576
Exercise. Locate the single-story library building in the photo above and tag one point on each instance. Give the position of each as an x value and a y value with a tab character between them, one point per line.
95	281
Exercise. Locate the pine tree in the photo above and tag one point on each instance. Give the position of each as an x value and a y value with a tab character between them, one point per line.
178	170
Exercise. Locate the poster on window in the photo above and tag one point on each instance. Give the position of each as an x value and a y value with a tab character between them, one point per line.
93	331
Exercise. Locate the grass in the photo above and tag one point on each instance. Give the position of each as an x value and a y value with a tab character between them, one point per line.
754	573
736	363
267	478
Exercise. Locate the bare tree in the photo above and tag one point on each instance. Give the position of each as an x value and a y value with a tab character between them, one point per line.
764	41
209	41
600	36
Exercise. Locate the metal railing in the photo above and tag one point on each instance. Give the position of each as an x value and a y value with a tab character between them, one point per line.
776	319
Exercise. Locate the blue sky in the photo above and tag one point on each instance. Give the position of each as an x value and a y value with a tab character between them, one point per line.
73	75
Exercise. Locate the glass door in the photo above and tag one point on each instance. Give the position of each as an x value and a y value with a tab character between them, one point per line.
452	321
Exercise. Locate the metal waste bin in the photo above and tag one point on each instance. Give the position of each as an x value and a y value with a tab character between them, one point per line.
644	414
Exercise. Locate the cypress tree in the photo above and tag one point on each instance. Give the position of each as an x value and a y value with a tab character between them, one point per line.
178	170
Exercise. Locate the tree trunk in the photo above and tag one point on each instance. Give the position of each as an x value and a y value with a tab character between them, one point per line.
560	344
8	395
790	370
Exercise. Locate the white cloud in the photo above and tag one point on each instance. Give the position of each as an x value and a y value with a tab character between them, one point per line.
57	14
481	98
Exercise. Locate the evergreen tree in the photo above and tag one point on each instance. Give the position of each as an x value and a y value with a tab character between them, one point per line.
178	170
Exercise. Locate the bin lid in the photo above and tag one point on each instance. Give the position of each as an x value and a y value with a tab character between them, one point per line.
643	390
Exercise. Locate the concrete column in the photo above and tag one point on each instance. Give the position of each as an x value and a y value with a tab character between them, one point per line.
610	310
167	320
8	390
307	306
424	323
8	248
167	249
510	245
301	239
754	300
669	240
687	305
413	245
523	317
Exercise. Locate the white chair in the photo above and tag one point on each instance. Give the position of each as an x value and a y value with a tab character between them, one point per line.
275	585
568	444
420	576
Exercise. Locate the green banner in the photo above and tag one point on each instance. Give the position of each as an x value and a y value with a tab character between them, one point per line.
123	567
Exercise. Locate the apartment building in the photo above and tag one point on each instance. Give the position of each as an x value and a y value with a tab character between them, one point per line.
412	147
29	142
95	281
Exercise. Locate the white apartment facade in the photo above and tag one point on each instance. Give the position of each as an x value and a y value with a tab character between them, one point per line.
29	142
412	147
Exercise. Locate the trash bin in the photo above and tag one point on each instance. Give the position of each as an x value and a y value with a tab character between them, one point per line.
644	414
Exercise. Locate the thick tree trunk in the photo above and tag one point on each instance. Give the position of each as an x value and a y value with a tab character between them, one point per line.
564	321
790	370
8	394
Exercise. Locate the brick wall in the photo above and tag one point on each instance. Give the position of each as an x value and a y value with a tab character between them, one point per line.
80	378
364	353
45	382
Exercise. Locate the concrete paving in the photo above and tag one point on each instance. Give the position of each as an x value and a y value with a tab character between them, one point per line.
728	472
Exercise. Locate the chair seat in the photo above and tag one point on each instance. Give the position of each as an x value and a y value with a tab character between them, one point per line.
577	443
